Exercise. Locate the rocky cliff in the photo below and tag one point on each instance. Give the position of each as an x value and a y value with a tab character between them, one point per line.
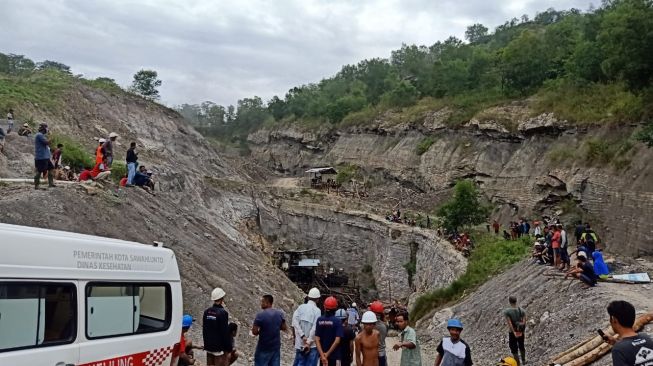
533	166
357	242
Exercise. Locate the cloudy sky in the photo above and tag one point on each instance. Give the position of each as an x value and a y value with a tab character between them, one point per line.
223	50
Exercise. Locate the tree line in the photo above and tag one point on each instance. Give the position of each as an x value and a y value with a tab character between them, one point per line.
609	44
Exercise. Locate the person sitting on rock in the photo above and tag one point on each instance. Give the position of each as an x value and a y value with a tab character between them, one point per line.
25	130
584	272
143	178
100	172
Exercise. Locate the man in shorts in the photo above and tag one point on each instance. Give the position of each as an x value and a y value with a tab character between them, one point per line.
42	157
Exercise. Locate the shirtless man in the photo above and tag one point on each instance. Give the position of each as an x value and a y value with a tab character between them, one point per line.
367	342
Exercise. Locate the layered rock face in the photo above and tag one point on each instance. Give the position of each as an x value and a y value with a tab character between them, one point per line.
353	241
515	170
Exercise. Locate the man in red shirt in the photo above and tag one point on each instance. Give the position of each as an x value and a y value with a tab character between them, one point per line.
555	244
85	175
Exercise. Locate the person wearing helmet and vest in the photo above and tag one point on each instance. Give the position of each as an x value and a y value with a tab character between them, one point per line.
453	351
328	333
304	320
377	308
347	341
99	151
367	341
185	348
268	325
508	361
215	331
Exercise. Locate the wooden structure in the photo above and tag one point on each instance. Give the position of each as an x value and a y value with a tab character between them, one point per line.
306	272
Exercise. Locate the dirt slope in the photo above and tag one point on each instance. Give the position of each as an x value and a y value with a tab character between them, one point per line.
560	313
202	224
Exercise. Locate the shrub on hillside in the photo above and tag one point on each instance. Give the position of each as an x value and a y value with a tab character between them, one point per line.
74	154
424	145
492	254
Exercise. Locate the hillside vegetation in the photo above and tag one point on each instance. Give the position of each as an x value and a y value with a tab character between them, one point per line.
586	67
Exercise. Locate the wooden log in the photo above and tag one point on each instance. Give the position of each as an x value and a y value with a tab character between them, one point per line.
582	350
592	354
560	355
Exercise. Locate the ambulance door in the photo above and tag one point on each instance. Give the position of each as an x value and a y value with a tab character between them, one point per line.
38	323
128	323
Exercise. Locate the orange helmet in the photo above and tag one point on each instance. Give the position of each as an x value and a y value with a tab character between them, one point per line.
377	307
331	303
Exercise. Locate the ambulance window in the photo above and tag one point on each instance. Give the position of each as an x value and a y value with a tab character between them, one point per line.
114	309
36	314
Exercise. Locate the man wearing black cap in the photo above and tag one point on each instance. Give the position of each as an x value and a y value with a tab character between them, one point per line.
42	157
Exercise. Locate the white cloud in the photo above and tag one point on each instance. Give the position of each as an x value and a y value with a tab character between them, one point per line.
227	50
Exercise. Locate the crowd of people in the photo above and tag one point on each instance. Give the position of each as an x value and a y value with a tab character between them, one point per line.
332	335
49	163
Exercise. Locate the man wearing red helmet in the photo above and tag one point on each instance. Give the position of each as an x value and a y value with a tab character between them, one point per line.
378	309
328	333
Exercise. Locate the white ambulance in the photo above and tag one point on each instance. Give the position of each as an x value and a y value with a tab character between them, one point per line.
70	299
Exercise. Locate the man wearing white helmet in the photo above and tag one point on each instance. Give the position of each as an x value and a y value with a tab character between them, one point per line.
353	316
304	320
108	148
367	342
215	331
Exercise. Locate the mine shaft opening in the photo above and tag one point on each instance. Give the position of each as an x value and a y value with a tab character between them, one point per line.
306	269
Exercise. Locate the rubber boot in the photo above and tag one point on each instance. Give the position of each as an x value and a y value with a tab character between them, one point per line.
50	179
37	180
516	357
523	358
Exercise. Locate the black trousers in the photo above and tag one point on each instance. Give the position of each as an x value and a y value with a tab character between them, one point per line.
516	343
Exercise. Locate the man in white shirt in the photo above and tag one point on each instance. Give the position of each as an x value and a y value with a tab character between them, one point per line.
304	320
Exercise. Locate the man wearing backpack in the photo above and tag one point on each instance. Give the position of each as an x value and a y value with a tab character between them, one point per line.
516	319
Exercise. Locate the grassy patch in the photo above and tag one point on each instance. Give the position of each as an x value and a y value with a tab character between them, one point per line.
601	151
562	154
118	170
424	145
589	103
74	153
346	173
43	88
491	256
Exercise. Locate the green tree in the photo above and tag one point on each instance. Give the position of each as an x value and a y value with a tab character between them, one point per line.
524	63
646	135
626	39
464	208
53	65
146	83
476	33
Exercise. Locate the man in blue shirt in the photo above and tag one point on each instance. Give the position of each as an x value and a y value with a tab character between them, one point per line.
328	333
42	157
268	325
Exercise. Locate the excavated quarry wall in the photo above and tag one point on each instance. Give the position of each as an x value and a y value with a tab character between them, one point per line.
514	169
354	240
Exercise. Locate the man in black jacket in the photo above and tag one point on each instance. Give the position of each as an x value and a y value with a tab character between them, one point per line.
132	158
215	330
